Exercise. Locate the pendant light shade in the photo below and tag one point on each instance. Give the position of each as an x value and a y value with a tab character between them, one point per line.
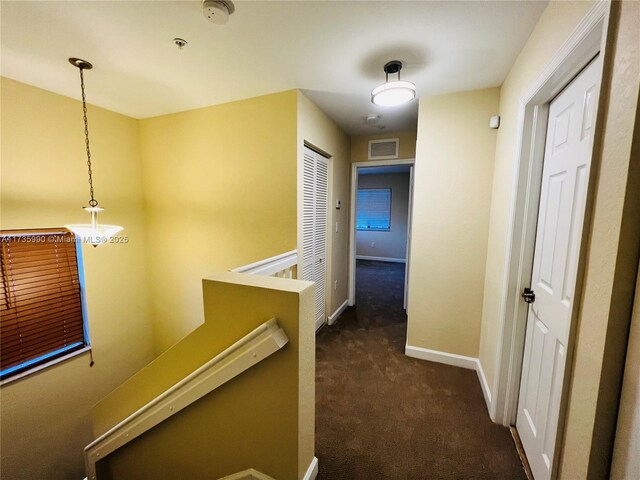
393	93
93	232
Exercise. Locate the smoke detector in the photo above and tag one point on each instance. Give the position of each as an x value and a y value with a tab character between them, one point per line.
217	11
372	119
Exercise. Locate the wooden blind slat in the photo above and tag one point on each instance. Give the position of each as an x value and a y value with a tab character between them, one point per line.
42	240
38	318
23	340
64	275
35	347
35	337
24	358
25	292
40	300
29	345
35	350
35	250
21	256
27	296
37	269
53	337
47	301
37	260
14	253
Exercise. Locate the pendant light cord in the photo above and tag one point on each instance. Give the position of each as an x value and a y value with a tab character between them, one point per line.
92	202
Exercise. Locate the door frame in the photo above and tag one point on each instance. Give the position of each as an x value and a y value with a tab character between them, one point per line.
581	47
352	220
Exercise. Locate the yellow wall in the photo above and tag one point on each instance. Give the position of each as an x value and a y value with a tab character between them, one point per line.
360	145
554	26
220	190
452	194
262	419
321	132
45	416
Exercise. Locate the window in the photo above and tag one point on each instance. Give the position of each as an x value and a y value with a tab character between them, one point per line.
41	307
374	209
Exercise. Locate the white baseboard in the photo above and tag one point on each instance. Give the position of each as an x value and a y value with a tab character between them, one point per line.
312	471
441	357
455	360
486	391
334	316
381	259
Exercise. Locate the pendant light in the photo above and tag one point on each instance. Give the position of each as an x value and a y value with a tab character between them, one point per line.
396	92
93	233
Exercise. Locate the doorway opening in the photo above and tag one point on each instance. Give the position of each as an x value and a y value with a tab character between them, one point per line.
382	195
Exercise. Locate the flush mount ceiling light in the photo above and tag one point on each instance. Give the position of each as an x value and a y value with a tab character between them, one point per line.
217	11
92	233
395	92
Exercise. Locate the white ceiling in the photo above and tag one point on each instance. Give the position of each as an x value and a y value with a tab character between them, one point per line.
334	51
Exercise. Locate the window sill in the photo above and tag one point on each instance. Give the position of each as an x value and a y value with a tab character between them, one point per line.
42	366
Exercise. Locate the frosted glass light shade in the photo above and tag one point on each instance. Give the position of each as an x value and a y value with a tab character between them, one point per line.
94	235
392	94
93	232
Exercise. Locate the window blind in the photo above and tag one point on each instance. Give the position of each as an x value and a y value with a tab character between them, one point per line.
40	299
374	209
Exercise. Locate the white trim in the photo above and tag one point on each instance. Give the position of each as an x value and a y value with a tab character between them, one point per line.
48	364
441	357
351	275
312	471
334	316
254	347
461	361
407	271
486	391
583	44
381	259
352	217
384	157
385	163
270	266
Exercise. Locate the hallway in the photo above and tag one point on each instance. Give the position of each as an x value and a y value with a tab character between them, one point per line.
382	415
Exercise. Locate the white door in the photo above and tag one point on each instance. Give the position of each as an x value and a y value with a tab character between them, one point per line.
314	226
565	175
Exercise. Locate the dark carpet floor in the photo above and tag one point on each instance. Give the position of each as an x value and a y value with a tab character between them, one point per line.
383	415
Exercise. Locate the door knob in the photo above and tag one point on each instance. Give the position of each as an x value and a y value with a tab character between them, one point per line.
529	295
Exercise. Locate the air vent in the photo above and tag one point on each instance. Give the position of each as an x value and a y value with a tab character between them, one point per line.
383	149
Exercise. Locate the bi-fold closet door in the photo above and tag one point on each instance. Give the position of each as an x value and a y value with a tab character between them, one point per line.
314	226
